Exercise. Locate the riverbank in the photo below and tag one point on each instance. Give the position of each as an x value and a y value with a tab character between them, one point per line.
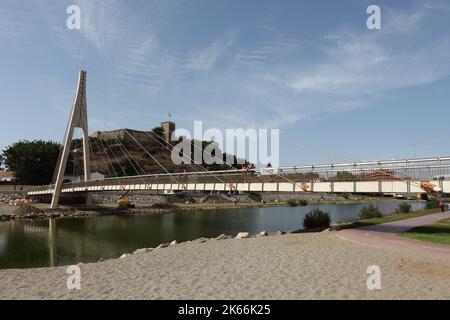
155	204
438	232
42	211
360	223
294	266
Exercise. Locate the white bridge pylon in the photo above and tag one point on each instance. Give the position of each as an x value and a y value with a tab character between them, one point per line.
78	119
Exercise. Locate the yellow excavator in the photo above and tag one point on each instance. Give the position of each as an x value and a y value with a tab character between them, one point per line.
428	187
123	202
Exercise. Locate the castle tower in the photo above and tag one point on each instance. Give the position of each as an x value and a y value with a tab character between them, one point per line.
169	128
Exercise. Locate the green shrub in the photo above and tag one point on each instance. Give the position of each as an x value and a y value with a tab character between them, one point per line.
432	204
370	211
255	196
316	219
345	196
292	202
303	202
403	208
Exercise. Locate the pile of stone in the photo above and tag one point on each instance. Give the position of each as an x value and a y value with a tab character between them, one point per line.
111	197
15	199
27	210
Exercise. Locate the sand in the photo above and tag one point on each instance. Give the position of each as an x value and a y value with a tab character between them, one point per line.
293	266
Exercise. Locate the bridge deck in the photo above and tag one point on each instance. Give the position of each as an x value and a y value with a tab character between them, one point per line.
400	187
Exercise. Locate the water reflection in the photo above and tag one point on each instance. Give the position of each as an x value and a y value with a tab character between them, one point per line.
68	241
52	249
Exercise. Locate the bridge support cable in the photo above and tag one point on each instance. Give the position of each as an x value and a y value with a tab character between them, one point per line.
110	163
107	163
154	159
94	158
163	144
104	161
116	158
116	177
237	170
91	148
130	159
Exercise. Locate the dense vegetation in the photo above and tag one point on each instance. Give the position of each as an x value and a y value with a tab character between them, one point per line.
316	219
295	203
370	211
33	162
403	208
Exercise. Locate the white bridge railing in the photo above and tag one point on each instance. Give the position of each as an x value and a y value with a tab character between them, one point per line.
388	187
387	176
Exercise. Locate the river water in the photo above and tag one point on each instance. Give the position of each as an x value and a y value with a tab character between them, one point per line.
42	243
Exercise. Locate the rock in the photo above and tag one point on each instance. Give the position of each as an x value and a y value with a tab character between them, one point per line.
173	243
201	240
263	234
221	237
139	251
280	233
101	259
327	230
163	245
243	235
123	256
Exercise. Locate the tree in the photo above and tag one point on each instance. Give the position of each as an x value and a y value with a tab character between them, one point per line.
33	162
344	176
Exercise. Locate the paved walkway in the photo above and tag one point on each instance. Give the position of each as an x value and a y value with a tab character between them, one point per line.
385	235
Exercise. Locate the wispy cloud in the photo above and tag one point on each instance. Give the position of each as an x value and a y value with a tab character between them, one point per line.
271	44
205	59
366	64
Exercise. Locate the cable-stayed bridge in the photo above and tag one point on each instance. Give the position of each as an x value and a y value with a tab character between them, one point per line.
394	176
424	175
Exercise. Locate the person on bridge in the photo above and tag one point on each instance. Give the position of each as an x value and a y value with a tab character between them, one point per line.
442	206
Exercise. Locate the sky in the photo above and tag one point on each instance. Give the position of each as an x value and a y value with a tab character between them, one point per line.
336	90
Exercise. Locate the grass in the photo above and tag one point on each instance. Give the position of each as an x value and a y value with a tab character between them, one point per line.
437	233
385	219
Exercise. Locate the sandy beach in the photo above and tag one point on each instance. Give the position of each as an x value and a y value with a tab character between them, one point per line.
293	266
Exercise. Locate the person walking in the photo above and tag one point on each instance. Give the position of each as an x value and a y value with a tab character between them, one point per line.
442	206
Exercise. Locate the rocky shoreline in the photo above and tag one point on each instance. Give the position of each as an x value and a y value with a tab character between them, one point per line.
239	236
30	212
17	206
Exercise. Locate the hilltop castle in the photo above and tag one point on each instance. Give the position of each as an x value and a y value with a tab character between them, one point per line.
168	128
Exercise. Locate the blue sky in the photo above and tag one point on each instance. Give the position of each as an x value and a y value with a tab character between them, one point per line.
335	89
